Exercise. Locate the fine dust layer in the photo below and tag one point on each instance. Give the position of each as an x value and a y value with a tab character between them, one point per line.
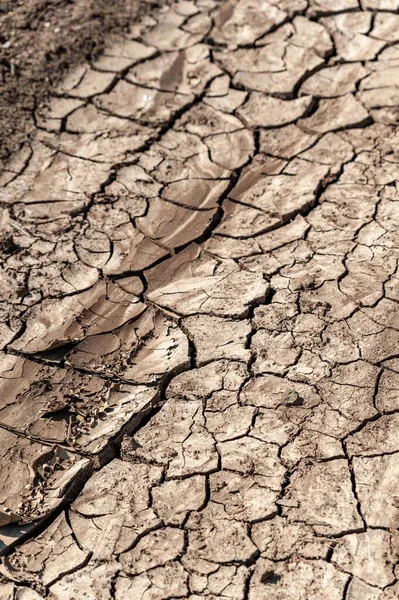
199	367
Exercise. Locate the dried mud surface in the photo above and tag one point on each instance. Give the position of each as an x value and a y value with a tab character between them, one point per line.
199	316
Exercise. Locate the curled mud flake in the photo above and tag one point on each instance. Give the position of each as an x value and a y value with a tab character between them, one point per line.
349	31
385	27
36	479
219	88
227	102
50	116
231	150
334	81
254	374
195	192
285	142
7	517
16	592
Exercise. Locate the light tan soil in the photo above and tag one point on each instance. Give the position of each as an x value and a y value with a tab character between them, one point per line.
199	313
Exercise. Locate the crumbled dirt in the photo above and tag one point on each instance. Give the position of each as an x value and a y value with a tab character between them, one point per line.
40	40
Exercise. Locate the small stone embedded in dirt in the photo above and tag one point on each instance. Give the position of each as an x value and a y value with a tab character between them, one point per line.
270	578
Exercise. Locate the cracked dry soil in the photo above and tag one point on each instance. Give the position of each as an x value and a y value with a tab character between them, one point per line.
199	313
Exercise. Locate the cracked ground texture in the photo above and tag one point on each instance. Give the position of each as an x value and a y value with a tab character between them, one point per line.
199	313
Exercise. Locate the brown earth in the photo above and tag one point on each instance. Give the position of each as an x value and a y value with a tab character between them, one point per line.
39	41
199	308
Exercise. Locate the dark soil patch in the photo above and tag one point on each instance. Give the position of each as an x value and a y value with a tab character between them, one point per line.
39	41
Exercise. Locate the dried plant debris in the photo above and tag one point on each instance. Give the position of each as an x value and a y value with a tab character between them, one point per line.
199	373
